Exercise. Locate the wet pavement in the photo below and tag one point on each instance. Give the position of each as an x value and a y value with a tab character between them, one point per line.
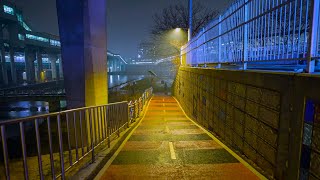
167	145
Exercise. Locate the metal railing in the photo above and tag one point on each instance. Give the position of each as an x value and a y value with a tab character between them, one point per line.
67	136
261	31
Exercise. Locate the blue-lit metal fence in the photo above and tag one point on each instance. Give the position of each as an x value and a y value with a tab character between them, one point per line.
67	137
259	31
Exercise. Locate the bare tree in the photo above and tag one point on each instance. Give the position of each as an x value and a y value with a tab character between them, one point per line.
176	16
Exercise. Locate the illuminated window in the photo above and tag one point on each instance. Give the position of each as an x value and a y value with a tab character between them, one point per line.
55	43
21	37
37	38
8	10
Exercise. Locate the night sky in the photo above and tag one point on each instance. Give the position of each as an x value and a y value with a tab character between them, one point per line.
128	21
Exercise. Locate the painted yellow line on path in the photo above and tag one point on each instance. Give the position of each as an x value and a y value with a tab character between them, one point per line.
172	153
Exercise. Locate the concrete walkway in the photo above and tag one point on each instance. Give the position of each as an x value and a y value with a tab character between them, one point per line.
167	145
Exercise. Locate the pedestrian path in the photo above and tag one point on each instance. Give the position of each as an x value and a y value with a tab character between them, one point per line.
168	145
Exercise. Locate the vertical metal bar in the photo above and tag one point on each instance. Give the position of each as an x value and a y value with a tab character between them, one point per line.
305	31
108	124
61	148
294	29
127	112
265	30
259	30
105	121
75	134
313	35
299	31
81	133
275	31
289	28
102	122
50	148
24	151
97	124
272	34
284	31
5	151
119	118
68	136
91	134
38	147
245	37
280	27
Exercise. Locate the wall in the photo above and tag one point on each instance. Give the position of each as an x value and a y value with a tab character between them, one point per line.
257	114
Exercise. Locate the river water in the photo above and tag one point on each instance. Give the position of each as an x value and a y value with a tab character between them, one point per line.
30	108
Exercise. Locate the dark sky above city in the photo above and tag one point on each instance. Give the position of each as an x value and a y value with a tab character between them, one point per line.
128	21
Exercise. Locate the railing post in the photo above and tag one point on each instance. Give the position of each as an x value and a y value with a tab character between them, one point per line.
313	35
245	37
220	42
128	115
5	151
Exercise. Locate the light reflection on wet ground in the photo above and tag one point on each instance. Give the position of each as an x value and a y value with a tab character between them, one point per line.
195	155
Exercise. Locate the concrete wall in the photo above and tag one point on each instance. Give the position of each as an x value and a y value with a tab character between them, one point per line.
257	114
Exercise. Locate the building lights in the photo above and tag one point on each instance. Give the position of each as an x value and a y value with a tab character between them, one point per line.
55	43
8	9
37	38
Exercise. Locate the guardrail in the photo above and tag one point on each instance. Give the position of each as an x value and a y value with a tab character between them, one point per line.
261	31
80	131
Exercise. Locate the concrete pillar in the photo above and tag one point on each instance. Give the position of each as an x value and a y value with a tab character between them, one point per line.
53	60
114	65
54	106
3	65
60	67
40	67
29	64
13	66
82	29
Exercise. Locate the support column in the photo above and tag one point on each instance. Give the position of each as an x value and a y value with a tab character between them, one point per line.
3	65
40	67
84	52
60	68
53	60
13	66
29	64
54	106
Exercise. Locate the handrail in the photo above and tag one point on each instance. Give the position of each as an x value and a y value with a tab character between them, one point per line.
281	32
86	129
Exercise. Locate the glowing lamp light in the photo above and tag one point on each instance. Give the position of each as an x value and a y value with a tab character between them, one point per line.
177	30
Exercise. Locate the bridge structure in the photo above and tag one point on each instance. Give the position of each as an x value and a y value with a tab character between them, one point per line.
227	120
28	56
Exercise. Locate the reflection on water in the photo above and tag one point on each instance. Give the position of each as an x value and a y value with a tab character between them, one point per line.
23	109
116	80
31	108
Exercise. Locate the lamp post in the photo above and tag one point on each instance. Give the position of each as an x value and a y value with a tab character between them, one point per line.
190	20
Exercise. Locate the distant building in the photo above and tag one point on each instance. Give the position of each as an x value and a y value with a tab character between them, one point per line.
146	52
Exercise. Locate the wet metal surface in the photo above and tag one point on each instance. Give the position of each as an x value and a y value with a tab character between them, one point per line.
167	145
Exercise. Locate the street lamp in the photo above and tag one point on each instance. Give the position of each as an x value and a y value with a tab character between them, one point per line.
190	21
